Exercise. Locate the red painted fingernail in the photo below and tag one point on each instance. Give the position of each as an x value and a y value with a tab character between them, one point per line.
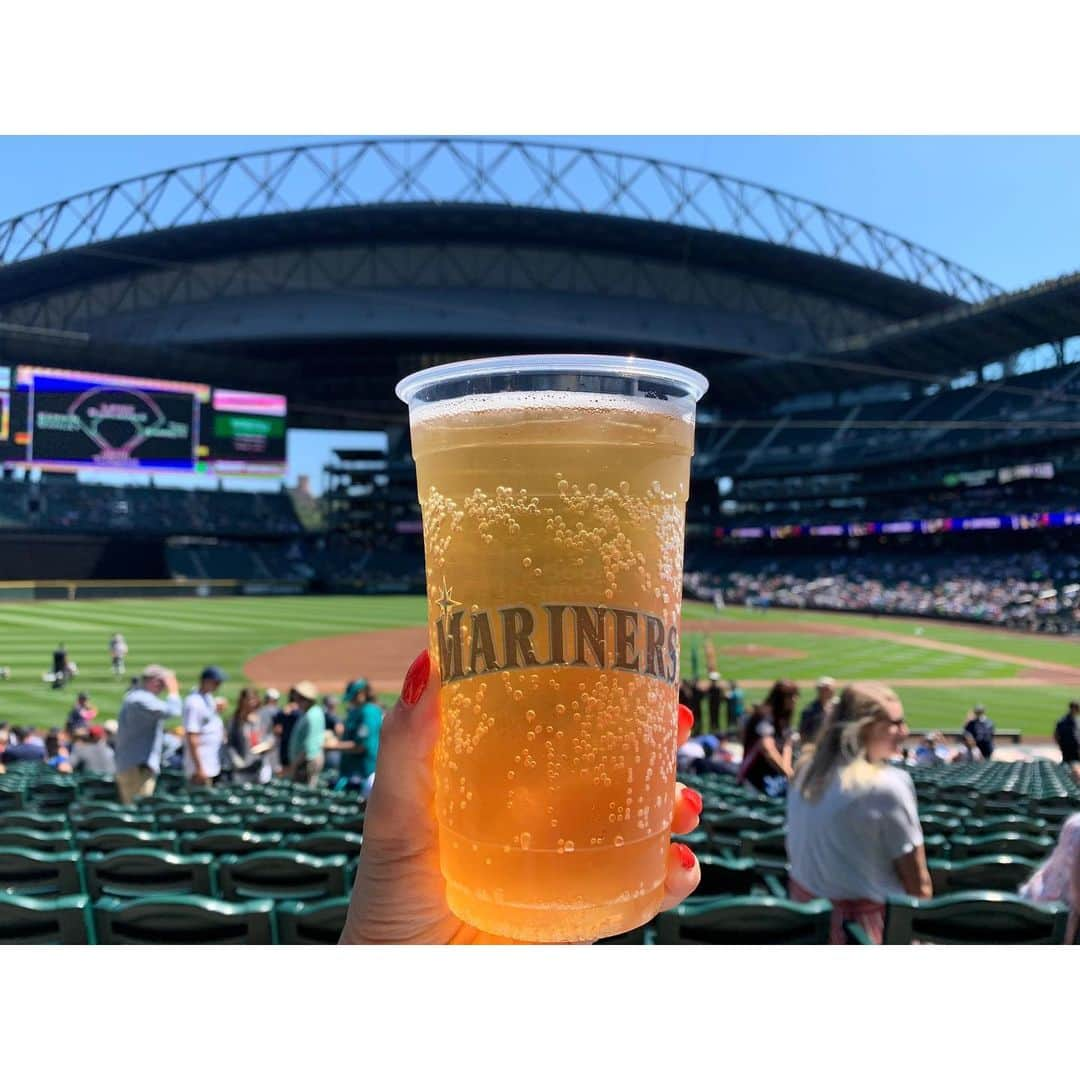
416	678
686	856
686	717
693	800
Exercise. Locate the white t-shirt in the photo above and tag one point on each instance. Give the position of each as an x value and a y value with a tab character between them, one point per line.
200	717
842	847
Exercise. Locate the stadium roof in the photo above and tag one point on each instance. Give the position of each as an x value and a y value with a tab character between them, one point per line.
203	262
933	346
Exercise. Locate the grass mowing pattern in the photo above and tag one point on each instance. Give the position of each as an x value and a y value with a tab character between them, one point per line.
186	634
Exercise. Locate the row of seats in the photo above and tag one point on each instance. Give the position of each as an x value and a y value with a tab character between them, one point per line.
168	920
974	917
969	918
131	872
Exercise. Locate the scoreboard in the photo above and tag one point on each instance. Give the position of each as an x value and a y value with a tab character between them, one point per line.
63	420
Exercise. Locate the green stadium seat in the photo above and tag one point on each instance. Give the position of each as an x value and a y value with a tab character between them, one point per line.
326	842
85	807
289	823
183	920
97	787
54	920
51	795
1000	843
307	922
353	821
281	875
722	876
981	826
107	819
229	842
745	920
974	918
197	822
11	799
1004	873
733	822
936	846
26	819
766	847
40	873
115	839
130	872
37	841
941	824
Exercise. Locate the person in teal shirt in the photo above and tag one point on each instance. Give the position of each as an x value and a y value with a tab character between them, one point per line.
359	744
308	736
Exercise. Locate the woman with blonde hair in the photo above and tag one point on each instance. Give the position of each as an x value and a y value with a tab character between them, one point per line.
853	833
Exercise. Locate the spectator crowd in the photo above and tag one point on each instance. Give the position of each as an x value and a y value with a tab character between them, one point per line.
1019	591
253	739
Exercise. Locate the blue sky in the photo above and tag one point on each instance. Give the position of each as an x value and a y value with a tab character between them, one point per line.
1004	207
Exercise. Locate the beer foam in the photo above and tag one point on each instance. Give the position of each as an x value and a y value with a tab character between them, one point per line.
551	401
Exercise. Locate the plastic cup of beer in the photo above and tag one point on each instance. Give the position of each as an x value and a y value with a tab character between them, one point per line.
553	492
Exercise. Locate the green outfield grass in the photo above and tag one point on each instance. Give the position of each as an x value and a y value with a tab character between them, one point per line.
187	634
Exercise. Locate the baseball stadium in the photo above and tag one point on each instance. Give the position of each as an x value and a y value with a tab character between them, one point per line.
885	489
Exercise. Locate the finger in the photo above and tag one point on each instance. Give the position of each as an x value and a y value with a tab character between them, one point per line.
399	806
688	804
683	876
686	723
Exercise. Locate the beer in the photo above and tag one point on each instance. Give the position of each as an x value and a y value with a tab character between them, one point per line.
553	532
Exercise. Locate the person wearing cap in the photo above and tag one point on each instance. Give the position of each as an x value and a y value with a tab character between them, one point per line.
92	753
139	731
359	743
204	730
812	718
981	728
308	735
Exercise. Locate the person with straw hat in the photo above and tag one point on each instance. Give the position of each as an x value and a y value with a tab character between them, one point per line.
306	740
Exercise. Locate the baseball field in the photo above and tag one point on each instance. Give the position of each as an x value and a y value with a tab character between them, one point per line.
939	669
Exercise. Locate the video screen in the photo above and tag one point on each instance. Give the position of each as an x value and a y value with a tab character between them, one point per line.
60	420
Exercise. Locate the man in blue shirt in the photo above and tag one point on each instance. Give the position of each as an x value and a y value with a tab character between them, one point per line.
981	728
140	730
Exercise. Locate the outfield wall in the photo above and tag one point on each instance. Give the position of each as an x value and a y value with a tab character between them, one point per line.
68	589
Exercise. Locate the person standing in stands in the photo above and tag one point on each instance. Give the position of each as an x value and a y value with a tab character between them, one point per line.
307	737
82	715
767	741
92	754
1057	880
284	722
1067	735
981	728
359	744
813	717
140	728
248	746
853	832
204	730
